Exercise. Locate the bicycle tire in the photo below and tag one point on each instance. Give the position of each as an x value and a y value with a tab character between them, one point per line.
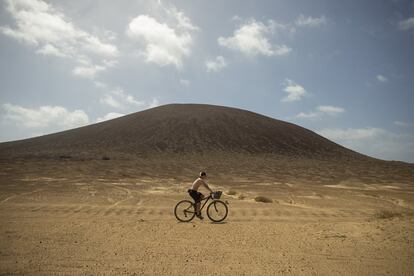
179	211
218	208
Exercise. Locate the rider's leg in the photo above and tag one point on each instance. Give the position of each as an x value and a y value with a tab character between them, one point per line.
198	211
197	207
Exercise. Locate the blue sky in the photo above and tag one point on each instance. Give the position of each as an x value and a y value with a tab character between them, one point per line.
344	69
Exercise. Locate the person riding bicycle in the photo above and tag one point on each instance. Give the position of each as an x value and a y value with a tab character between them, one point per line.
197	196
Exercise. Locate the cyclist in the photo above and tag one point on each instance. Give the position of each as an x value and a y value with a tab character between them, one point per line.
197	196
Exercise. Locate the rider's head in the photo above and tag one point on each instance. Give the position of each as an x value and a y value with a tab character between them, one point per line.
203	174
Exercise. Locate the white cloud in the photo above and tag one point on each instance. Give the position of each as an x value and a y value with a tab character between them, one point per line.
308	21
117	98
331	110
164	45
310	115
120	100
215	65
236	18
183	22
88	72
381	78
376	142
321	111
109	116
50	32
403	124
126	97
100	84
185	82
154	103
110	101
295	91
351	134
96	46
406	24
253	39
279	28
44	118
50	50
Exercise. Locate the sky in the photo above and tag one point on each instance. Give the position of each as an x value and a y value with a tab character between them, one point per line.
343	69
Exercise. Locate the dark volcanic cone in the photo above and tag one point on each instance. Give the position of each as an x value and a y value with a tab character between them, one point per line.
182	129
178	140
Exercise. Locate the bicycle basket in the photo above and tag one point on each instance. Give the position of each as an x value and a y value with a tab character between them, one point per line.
216	195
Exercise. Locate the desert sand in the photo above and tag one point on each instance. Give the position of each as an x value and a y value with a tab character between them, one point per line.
65	217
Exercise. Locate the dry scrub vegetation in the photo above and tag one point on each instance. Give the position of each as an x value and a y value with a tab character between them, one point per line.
263	199
231	192
386	214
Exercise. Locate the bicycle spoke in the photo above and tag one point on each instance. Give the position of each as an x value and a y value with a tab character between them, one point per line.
182	211
217	211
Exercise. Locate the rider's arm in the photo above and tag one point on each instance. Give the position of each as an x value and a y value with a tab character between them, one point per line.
207	187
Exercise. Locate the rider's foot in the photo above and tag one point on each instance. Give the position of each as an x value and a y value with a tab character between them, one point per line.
199	216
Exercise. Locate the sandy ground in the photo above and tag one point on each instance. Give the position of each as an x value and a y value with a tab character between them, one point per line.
68	221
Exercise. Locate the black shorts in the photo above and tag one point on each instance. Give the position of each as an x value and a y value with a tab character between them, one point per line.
197	196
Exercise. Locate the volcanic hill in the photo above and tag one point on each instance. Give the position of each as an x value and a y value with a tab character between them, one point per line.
192	136
183	128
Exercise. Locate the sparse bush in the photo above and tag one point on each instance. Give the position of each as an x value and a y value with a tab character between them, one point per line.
385	214
263	199
231	192
105	158
65	156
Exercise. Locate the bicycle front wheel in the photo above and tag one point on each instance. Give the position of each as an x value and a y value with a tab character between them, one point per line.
184	211
217	211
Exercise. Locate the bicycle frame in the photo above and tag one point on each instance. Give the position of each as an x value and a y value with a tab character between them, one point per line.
204	199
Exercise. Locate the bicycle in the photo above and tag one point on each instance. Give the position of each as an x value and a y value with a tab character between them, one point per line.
217	210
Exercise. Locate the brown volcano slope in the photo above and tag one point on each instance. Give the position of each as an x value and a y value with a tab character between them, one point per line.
178	140
183	128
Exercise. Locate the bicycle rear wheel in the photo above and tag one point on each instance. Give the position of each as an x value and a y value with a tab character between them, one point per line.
184	211
217	211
